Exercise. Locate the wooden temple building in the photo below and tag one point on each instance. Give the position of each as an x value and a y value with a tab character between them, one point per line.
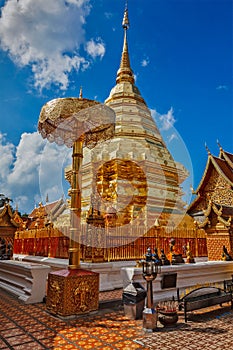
212	209
10	220
38	236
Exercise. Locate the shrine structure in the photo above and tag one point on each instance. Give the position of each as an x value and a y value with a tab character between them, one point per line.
131	185
10	220
38	236
134	176
212	209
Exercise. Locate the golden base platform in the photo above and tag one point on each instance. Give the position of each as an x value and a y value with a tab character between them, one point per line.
72	292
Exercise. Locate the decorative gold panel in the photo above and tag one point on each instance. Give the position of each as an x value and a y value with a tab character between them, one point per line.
123	182
219	190
72	292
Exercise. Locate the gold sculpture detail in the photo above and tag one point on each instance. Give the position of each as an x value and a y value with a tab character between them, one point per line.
123	185
71	294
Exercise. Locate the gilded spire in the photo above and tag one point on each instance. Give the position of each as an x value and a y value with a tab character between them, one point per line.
81	92
125	72
125	22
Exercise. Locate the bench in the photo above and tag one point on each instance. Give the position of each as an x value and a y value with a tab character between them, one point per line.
203	297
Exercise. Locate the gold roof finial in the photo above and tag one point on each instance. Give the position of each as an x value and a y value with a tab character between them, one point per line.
219	145
206	147
125	72
81	92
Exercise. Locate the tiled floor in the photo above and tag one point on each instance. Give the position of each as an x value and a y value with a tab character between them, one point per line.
31	327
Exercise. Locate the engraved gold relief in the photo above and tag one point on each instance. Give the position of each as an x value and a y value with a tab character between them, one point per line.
123	184
73	294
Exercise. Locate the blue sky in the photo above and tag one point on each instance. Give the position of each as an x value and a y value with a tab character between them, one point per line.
181	55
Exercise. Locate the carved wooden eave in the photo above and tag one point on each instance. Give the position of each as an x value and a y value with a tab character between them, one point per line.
208	210
217	211
14	223
216	163
226	223
223	168
3	212
203	224
17	220
201	185
206	171
223	215
222	165
7	210
228	157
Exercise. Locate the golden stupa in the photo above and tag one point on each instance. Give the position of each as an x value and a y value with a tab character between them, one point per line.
134	174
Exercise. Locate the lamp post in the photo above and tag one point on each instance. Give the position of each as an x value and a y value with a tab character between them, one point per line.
150	269
75	122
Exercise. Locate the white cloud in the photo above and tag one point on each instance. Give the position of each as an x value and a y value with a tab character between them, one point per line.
6	151
47	36
108	15
27	160
145	62
222	87
31	170
168	119
95	48
164	121
172	137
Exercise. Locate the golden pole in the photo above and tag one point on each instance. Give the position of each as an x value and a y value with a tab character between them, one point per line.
74	290
75	210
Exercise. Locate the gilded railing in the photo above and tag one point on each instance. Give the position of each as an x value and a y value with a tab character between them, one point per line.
52	242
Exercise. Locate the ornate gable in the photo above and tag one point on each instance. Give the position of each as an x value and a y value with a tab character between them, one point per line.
216	184
213	206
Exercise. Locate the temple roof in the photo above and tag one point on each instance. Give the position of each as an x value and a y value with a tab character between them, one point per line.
14	216
224	167
45	213
228	157
221	166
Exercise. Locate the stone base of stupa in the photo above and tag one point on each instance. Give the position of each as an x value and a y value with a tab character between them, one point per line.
109	272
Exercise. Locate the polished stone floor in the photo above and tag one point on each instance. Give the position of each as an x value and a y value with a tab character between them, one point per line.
31	327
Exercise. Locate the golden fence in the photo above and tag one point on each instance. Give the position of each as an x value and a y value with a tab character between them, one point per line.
51	242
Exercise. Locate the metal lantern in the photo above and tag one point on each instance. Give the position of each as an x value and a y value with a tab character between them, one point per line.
150	269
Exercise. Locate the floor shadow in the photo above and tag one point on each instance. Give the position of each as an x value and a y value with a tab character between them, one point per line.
209	330
203	317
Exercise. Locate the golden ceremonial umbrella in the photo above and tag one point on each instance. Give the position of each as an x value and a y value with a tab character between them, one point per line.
76	122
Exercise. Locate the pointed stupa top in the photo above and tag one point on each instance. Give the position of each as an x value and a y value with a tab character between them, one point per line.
81	92
125	72
125	83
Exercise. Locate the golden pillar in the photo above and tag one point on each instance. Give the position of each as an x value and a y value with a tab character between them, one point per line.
75	210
